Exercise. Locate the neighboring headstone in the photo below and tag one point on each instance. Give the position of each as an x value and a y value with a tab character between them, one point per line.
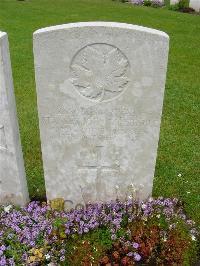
195	4
13	187
100	88
173	2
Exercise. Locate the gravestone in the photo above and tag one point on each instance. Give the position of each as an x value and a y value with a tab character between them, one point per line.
100	88
195	4
13	187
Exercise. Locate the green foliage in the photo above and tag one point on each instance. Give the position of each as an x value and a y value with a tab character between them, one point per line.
147	3
124	221
88	247
16	249
59	222
180	5
174	7
183	4
99	237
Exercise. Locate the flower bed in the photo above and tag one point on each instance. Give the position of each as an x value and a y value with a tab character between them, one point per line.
155	232
152	3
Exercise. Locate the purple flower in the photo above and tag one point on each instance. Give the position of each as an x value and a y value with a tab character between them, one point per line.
11	262
157	3
137	2
62	258
137	257
2	248
32	243
86	230
62	251
67	231
24	256
3	261
135	245
113	237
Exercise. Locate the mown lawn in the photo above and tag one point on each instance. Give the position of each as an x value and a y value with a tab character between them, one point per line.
179	148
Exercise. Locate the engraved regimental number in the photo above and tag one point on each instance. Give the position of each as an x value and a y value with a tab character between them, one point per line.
100	72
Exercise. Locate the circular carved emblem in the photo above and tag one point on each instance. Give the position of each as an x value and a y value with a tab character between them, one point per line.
100	72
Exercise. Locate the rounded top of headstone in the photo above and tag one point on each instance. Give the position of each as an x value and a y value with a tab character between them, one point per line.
102	24
2	34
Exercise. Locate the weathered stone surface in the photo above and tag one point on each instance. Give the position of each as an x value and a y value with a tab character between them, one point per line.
100	88
195	4
13	187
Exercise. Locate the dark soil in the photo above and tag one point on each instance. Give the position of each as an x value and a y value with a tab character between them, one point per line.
187	10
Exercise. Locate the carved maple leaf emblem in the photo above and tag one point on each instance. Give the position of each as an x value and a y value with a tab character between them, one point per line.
100	72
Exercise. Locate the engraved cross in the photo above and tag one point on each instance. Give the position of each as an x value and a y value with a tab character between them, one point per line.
98	166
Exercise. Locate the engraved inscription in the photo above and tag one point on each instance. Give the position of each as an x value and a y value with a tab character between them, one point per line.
3	145
95	162
98	125
100	72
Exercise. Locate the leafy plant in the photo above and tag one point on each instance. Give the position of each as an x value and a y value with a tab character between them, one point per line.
183	4
147	2
174	7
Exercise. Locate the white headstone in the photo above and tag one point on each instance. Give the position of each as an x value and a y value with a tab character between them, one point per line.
100	88
13	187
195	4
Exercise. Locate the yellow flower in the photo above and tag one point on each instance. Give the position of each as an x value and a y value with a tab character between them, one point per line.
37	254
57	204
41	250
31	259
40	255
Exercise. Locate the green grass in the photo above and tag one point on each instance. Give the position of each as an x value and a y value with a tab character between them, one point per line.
179	141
